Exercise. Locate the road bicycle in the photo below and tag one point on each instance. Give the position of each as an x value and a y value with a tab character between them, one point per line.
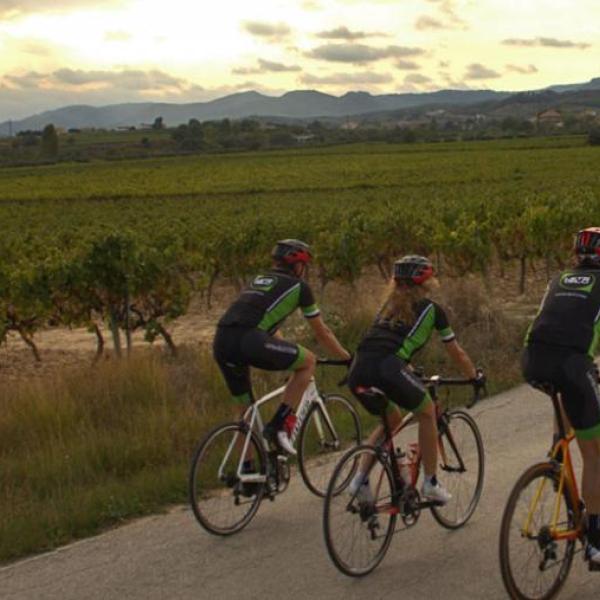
543	520
234	467
358	533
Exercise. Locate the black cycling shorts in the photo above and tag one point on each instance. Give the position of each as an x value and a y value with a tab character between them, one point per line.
236	349
574	376
391	375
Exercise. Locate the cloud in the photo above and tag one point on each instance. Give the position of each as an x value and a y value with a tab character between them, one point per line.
266	66
417	78
545	42
406	65
14	9
528	70
360	53
343	79
479	71
424	22
343	33
117	36
447	9
310	5
273	31
127	79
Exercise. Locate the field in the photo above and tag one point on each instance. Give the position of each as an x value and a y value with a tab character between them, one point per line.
134	248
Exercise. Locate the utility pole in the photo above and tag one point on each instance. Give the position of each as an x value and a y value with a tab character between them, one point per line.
10	128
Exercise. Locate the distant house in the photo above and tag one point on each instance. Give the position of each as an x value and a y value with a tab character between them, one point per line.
349	125
302	139
550	117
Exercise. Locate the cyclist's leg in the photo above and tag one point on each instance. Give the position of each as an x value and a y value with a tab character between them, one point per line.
275	354
581	401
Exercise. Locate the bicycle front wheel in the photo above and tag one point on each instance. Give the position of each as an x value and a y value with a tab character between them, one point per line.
533	562
324	437
222	503
462	468
358	527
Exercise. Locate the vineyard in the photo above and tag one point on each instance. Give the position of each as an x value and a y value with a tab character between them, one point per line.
127	243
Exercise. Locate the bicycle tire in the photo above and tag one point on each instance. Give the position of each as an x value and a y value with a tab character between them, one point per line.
204	495
515	588
317	456
353	515
472	456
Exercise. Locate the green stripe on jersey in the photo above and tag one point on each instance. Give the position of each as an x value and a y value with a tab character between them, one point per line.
281	308
419	334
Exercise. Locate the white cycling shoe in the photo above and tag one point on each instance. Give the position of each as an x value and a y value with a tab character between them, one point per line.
592	554
284	442
435	492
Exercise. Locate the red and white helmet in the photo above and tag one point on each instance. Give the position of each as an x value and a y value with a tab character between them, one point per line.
587	245
291	252
413	270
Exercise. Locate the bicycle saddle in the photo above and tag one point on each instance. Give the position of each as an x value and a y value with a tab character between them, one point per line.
372	398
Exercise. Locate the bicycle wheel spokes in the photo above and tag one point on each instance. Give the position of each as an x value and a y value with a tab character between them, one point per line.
358	529
462	469
221	502
324	439
534	564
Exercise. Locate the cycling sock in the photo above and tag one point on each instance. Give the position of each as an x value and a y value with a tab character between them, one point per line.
593	533
280	415
431	479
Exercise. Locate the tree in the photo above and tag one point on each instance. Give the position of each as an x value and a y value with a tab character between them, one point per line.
158	123
50	141
594	136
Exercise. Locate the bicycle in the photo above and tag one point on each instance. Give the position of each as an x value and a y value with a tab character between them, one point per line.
543	520
358	533
234	467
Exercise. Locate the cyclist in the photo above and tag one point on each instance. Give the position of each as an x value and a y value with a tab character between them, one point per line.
559	350
403	325
247	335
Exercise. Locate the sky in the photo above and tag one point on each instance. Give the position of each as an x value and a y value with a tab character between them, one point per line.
59	52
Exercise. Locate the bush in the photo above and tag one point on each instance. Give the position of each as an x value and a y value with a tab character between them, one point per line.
594	137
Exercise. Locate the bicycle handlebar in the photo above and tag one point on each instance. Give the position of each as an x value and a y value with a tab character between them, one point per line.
479	384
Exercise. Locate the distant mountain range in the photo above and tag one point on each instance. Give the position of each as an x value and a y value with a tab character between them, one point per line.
309	104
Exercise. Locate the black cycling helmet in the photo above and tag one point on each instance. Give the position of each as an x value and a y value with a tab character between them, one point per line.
290	252
413	270
587	245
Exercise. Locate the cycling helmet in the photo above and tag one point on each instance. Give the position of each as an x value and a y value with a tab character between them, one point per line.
587	245
412	270
290	252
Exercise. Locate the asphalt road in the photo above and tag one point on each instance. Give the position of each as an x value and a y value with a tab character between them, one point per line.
281	554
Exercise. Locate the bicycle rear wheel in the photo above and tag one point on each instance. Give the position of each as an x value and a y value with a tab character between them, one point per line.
534	565
221	503
462	468
358	530
324	438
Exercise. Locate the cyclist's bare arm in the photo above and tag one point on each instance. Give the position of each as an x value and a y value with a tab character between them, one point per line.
326	338
461	359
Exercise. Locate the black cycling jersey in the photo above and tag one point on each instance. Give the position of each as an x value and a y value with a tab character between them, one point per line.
269	300
569	315
404	339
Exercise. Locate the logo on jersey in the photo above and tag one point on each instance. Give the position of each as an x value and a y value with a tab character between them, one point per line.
264	283
581	283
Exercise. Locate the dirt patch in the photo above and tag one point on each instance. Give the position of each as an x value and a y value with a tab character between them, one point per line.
62	348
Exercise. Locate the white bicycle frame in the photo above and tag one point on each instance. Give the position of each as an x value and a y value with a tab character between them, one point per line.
255	423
